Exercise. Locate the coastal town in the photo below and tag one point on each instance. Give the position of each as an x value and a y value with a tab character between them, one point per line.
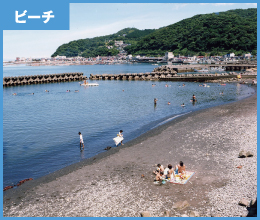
123	58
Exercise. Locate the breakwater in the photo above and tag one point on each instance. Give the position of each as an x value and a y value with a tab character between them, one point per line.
38	79
163	76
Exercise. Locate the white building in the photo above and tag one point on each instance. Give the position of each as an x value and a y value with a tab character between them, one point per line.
169	55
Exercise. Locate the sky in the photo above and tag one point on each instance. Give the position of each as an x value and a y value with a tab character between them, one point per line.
88	20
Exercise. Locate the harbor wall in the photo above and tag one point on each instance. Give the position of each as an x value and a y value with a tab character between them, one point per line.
38	79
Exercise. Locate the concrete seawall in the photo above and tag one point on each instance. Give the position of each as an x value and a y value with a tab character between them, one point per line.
38	79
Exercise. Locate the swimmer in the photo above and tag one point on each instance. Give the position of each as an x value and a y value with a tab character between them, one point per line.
155	101
183	84
194	98
14	93
169	103
76	90
46	90
68	90
166	85
182	105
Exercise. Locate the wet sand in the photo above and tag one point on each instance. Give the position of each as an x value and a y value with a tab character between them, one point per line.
120	182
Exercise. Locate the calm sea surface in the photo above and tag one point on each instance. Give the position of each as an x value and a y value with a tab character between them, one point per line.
40	131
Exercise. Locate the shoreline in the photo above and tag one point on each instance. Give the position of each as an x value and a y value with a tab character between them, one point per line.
162	124
137	161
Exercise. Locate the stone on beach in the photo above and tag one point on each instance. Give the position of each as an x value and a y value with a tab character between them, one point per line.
242	154
249	154
194	214
145	214
243	202
181	205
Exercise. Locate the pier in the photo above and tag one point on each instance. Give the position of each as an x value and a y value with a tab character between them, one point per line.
38	79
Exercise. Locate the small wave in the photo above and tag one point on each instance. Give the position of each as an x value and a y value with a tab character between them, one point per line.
170	119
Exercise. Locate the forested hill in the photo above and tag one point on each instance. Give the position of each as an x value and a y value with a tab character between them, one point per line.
91	47
231	31
217	33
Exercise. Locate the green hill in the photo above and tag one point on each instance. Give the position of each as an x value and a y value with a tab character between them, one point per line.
215	33
92	47
231	31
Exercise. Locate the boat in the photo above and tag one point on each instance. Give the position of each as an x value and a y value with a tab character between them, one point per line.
202	70
89	84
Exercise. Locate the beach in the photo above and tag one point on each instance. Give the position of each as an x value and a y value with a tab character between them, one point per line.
120	182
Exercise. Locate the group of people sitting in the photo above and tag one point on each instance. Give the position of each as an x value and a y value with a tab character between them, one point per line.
169	172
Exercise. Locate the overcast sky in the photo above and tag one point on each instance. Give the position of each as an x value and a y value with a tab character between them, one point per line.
88	20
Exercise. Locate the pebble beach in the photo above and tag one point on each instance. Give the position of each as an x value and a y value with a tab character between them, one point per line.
120	182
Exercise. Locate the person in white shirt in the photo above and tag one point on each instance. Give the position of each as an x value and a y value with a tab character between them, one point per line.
81	142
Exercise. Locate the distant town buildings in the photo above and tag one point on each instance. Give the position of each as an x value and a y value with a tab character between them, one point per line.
123	57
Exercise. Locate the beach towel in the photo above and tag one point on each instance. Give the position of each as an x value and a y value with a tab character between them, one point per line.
182	179
118	140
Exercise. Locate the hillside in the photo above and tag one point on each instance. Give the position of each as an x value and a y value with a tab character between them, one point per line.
216	33
231	31
91	47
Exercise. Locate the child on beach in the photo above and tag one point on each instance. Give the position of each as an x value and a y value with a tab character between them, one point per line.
180	168
119	138
81	140
159	169
170	172
159	176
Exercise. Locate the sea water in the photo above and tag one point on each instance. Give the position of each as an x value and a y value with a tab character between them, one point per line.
40	130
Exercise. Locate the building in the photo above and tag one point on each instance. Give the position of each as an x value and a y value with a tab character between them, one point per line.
119	43
169	55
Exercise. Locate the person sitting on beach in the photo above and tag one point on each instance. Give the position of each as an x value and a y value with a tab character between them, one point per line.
159	176
159	169
170	172
181	168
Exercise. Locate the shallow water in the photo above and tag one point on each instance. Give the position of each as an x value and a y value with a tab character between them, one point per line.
40	131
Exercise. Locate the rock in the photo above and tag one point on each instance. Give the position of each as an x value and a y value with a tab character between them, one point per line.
145	214
252	210
194	214
166	214
216	215
253	202
249	154
242	154
243	202
107	148
181	205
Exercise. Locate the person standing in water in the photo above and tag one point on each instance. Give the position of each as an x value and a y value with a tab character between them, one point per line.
194	98
81	142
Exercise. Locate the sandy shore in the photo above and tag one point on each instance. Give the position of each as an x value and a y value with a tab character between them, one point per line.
120	182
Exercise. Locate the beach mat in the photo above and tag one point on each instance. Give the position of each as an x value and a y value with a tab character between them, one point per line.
184	180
